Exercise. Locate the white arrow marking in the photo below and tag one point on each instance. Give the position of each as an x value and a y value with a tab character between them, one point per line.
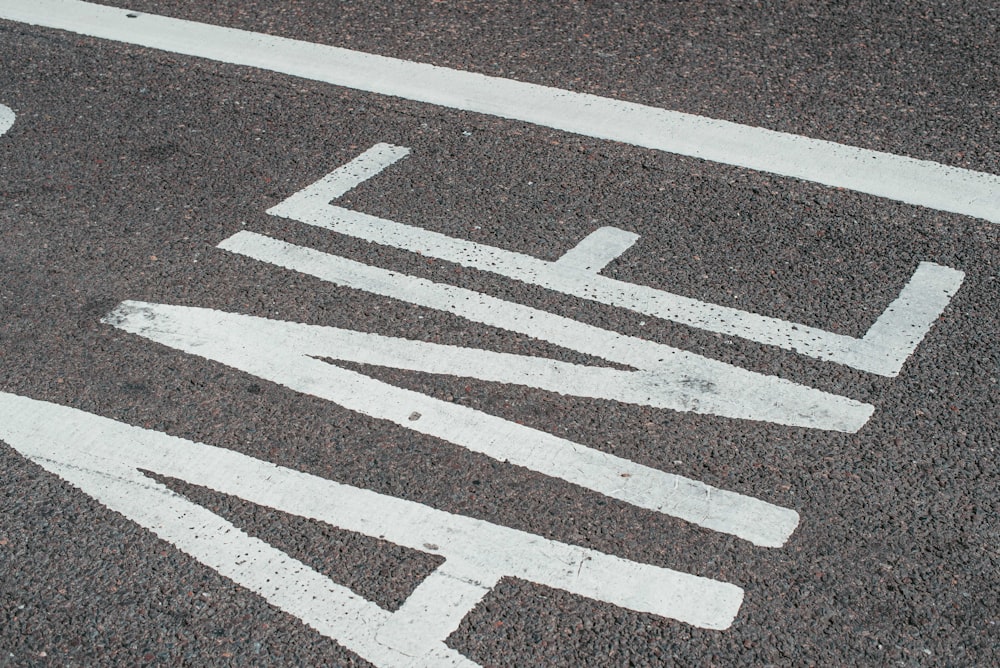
6	119
883	350
103	458
883	174
286	352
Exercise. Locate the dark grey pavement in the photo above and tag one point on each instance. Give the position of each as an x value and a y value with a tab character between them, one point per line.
125	167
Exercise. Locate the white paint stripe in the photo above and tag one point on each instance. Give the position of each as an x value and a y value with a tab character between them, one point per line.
347	177
903	325
6	119
284	352
883	174
102	458
597	250
688	381
435	609
883	352
288	584
702	386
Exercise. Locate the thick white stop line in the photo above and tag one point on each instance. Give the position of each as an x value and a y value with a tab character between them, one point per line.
896	177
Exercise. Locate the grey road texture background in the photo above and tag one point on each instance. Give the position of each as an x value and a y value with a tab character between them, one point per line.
125	167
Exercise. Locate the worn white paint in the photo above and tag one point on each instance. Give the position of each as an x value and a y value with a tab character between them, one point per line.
291	354
896	177
689	384
678	379
597	250
6	119
882	350
104	459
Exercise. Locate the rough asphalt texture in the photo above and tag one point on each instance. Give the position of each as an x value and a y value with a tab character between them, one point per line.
125	167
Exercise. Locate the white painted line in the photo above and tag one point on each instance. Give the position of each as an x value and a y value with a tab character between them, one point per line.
340	181
103	458
740	394
896	177
596	251
435	609
6	119
681	380
905	322
883	350
287	352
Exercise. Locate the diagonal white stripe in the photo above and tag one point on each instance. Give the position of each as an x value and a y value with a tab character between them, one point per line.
249	343
896	177
883	350
101	457
688	381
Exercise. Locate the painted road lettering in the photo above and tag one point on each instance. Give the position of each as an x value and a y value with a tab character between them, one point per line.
669	377
901	178
81	243
679	381
292	354
882	350
304	357
104	459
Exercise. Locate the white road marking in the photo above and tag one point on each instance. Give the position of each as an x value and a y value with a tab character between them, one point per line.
6	119
882	350
103	458
596	251
287	352
680	386
681	380
436	608
896	177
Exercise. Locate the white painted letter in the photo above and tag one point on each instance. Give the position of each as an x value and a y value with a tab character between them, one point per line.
883	350
668	377
287	352
103	458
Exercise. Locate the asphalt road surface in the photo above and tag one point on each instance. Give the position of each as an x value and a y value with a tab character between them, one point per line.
531	378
